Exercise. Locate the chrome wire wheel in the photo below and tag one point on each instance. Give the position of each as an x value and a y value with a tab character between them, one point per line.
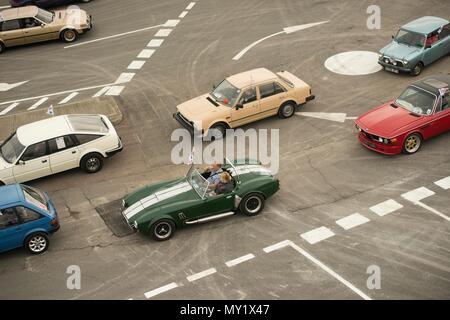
412	143
93	164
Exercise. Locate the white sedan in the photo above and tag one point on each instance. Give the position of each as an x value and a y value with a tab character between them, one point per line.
57	144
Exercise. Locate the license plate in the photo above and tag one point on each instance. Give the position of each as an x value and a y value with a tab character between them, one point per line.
391	70
369	144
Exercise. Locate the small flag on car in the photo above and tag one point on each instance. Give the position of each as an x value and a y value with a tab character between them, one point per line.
50	111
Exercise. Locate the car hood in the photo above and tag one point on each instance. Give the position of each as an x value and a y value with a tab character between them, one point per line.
399	51
200	107
386	121
157	195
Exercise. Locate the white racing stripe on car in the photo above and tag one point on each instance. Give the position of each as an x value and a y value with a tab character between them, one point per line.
250	169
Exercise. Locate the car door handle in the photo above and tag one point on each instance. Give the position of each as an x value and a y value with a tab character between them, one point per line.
229	197
44	161
74	151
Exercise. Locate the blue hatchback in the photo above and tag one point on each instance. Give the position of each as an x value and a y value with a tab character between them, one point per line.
27	218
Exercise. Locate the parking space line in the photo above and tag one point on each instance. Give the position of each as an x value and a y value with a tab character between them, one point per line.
136	65
37	104
171	23
416	195
317	235
183	14
125	77
163	33
9	108
101	91
160	290
69	97
190	6
155	43
330	272
239	260
200	275
146	53
277	246
352	221
386	207
114	91
443	183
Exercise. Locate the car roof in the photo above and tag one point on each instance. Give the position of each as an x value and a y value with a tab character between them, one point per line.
247	78
434	83
42	130
425	25
10	194
19	13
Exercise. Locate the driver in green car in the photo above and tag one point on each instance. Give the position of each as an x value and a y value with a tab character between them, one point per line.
225	184
212	174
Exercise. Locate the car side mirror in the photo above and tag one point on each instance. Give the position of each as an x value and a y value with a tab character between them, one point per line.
392	37
21	163
214	87
239	106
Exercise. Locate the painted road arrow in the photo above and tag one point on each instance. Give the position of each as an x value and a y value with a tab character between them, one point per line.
337	117
287	30
6	86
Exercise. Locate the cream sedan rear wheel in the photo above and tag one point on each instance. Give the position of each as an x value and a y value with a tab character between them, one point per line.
69	35
412	143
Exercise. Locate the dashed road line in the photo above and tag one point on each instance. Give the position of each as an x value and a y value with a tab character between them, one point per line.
352	221
38	103
171	23
443	183
136	65
317	235
201	275
277	246
146	53
239	260
101	91
183	14
386	207
9	108
114	91
416	195
69	97
154	43
125	77
160	290
163	33
190	6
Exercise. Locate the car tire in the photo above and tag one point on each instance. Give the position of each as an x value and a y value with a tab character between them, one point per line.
412	143
252	204
92	162
2	184
286	110
69	35
162	230
417	69
37	243
221	129
2	48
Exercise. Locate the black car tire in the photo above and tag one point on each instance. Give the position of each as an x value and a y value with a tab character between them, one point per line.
412	143
252	204
92	162
2	184
417	69
69	35
286	110
2	48
162	230
37	243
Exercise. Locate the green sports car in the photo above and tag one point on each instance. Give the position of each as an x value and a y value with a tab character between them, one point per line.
160	208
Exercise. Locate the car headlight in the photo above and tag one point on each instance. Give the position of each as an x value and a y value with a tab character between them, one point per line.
135	224
380	56
405	62
357	127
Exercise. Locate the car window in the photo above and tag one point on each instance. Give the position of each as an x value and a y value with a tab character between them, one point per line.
445	102
30	23
270	89
11	25
278	88
85	138
445	32
60	144
248	96
8	218
27	215
35	151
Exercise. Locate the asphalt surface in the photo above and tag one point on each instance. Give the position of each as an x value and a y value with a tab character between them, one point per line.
325	173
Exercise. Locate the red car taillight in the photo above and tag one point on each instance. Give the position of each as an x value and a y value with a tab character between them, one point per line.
54	223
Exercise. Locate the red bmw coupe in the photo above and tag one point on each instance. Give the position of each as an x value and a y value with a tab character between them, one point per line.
422	111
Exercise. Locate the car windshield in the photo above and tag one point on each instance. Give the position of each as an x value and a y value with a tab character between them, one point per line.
226	93
45	16
410	38
197	182
417	101
35	197
11	149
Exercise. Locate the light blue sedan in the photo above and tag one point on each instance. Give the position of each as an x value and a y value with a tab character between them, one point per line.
417	44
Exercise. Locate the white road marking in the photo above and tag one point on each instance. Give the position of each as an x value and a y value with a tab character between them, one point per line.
200	275
7	86
415	196
5	7
354	63
352	221
171	23
183	14
386	207
443	183
155	43
329	271
115	91
56	93
146	53
163	33
125	77
9	108
277	246
190	6
69	97
317	235
286	30
113	36
239	260
101	91
136	65
37	104
351	118
160	290
331	116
